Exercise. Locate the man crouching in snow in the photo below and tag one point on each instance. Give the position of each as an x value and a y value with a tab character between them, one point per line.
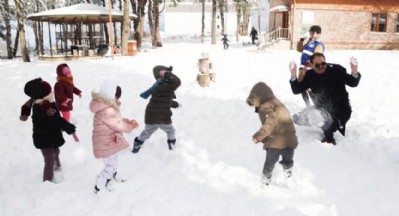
277	132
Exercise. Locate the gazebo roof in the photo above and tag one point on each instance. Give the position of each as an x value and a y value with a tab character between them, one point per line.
79	13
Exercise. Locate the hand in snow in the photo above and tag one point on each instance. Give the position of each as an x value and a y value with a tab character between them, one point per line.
75	137
255	140
80	95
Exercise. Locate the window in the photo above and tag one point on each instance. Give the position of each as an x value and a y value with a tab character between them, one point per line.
397	24
379	22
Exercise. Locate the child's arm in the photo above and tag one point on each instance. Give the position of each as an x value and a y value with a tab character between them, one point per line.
26	109
267	113
173	80
77	91
116	123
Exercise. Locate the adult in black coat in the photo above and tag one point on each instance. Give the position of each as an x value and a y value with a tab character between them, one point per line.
158	113
254	35
327	83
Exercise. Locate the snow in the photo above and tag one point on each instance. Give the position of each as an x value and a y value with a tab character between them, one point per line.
216	168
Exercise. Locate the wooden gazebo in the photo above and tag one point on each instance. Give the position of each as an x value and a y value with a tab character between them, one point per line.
71	21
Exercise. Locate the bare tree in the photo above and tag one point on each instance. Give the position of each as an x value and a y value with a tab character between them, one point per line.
213	29
125	27
238	11
6	12
21	31
222	6
203	21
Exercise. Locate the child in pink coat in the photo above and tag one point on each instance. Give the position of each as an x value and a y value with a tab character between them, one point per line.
108	126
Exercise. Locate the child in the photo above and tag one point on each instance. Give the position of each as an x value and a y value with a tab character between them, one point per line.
47	125
64	89
108	126
225	42
158	113
277	132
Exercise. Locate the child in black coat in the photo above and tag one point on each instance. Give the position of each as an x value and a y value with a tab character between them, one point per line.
47	124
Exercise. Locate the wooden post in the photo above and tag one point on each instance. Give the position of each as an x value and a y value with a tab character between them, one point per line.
111	31
49	36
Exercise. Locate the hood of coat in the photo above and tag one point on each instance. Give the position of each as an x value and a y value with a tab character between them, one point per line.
99	103
259	94
158	68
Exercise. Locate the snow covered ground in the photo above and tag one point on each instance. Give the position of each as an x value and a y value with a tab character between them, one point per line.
216	168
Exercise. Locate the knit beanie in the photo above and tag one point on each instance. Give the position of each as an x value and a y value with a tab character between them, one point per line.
37	88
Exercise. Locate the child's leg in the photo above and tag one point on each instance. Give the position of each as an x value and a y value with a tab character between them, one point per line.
66	115
272	156
138	141
49	161
287	154
147	132
57	163
170	132
111	166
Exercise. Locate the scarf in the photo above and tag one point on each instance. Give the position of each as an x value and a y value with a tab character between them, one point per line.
67	79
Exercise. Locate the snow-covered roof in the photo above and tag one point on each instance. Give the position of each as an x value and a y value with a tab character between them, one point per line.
79	13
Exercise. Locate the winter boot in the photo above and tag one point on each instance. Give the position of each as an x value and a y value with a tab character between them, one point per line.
137	145
287	173
265	180
107	186
172	144
118	179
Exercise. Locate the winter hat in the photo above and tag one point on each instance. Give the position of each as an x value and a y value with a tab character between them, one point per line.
108	89
63	70
37	88
158	68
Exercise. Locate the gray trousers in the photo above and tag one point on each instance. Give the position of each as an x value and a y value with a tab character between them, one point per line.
272	156
151	128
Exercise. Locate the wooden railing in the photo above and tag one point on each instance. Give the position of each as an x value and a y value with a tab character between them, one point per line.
267	39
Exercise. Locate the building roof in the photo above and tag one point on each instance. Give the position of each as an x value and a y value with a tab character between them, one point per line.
79	13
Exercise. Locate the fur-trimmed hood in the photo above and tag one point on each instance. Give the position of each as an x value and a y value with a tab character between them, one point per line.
260	93
99	102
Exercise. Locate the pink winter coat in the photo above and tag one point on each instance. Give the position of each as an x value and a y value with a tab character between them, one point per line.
108	126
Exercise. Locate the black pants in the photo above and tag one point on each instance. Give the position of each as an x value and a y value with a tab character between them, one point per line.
51	163
272	156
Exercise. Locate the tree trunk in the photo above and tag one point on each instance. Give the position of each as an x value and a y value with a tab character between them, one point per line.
41	44
203	22
158	41
105	28
246	10
16	44
221	11
213	31
6	15
151	24
125	27
238	11
21	30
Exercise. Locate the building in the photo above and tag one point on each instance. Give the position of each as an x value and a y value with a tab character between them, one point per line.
346	24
